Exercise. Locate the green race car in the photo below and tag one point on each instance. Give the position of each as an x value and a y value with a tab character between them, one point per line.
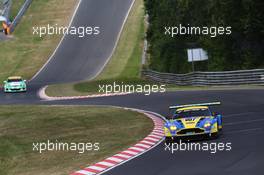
15	84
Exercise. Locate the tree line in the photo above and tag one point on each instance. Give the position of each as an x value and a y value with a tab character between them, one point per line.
242	49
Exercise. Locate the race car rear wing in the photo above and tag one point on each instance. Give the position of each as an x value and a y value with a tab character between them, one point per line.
199	104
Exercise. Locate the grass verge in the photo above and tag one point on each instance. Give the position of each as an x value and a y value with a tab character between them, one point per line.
21	126
16	5
25	53
126	60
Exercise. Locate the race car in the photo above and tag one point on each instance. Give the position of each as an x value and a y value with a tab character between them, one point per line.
15	84
193	120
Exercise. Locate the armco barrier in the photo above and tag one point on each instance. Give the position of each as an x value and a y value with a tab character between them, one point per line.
20	14
243	77
5	6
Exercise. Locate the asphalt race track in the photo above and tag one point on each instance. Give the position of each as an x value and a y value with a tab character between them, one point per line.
243	127
78	58
81	58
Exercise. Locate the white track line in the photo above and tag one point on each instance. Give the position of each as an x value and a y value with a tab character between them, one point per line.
73	16
117	40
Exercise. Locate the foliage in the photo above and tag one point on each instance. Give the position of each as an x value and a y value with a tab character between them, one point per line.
243	49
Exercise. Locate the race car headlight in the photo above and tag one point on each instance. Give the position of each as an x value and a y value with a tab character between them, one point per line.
173	128
207	124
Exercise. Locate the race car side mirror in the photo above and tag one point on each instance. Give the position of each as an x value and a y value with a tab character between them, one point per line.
25	81
5	82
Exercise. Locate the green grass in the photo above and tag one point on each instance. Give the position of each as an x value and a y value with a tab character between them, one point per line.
125	64
21	126
16	5
126	60
24	54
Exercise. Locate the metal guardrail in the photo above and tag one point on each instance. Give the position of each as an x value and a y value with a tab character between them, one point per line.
5	6
20	14
242	77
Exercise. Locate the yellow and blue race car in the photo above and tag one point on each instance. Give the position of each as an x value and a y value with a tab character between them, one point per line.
193	120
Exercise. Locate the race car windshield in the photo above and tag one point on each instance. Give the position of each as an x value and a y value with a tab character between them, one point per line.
13	80
192	113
